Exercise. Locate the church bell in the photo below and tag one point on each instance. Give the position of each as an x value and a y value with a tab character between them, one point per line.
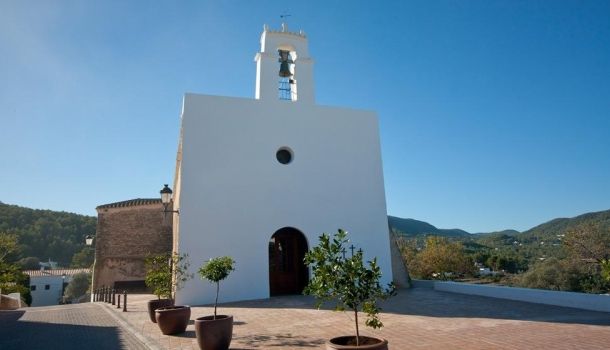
285	62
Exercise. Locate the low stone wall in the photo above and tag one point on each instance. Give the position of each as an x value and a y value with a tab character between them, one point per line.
10	302
583	301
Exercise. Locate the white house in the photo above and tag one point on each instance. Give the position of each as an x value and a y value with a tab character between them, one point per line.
47	286
260	179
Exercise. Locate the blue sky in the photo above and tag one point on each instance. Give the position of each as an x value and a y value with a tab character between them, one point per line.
493	114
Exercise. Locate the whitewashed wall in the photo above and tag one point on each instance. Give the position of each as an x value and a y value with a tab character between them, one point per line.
234	194
43	297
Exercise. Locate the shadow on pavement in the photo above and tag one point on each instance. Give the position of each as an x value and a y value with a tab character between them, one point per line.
431	303
17	335
10	316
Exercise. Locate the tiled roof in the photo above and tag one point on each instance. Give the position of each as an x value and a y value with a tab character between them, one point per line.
131	203
56	272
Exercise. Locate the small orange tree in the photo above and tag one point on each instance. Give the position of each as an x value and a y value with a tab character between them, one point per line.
346	280
216	270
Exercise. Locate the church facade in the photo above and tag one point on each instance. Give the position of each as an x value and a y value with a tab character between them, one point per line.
260	179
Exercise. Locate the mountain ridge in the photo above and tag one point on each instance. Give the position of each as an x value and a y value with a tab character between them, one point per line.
550	228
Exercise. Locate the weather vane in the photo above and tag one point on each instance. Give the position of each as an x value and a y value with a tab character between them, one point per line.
284	16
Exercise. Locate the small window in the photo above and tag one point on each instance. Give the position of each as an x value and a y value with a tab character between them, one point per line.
33	288
47	287
284	155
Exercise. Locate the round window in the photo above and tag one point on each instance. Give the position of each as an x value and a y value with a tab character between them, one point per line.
284	155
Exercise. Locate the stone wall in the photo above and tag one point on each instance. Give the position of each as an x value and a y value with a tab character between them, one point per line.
126	233
399	268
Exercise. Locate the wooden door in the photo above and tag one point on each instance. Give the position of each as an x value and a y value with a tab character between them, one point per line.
287	271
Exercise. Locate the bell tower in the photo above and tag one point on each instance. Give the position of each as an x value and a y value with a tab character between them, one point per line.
284	70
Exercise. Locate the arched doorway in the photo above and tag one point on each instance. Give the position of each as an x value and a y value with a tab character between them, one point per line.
287	271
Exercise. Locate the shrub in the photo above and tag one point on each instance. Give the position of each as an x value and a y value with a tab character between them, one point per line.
78	286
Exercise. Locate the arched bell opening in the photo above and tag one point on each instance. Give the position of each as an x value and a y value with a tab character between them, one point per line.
287	88
288	274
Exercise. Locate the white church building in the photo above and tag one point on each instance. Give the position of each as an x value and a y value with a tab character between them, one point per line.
260	179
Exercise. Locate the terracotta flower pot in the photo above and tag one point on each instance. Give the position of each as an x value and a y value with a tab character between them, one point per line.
349	343
173	319
155	304
214	334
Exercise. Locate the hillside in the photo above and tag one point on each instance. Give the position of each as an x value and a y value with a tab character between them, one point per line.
47	234
524	248
503	232
551	229
412	227
549	233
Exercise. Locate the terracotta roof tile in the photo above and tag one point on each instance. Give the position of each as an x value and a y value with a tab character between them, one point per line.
131	203
55	272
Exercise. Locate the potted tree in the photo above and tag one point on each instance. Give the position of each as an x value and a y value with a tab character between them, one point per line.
159	279
350	284
215	332
172	274
174	319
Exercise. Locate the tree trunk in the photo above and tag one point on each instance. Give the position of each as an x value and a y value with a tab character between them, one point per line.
216	302
357	331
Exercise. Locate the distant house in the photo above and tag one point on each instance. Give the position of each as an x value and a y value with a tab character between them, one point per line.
47	286
50	265
482	270
485	271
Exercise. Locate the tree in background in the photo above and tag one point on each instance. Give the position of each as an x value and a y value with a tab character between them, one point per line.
12	280
589	246
8	245
46	234
589	242
605	265
552	274
83	258
78	286
564	275
29	263
505	261
440	259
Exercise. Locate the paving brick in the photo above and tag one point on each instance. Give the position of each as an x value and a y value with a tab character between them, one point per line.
79	326
415	319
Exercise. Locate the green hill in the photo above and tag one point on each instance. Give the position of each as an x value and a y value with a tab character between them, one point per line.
549	231
47	234
552	230
503	232
412	227
542	241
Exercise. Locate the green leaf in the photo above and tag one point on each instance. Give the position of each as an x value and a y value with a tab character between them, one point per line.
345	279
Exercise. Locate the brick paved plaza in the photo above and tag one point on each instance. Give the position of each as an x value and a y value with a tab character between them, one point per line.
418	318
80	326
